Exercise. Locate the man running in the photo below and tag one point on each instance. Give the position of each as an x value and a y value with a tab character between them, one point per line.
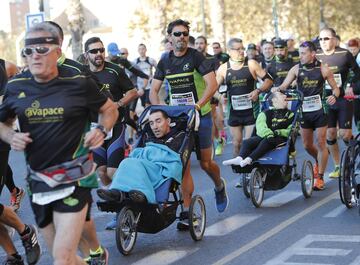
192	82
340	61
311	76
268	53
240	75
53	106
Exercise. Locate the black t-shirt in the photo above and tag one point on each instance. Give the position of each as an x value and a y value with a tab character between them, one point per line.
114	82
340	62
279	70
294	56
56	114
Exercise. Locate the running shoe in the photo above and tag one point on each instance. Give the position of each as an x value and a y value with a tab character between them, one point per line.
220	146
183	224
335	173
11	260
100	259
319	184
16	198
32	247
221	198
316	170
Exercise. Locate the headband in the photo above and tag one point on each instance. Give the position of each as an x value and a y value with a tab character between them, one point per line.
42	40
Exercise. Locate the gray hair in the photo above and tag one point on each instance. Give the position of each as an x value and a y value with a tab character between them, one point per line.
232	41
43	27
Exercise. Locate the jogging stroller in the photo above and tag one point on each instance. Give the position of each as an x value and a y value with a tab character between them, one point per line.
277	167
150	218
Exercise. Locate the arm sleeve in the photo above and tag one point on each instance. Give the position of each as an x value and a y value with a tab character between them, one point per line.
132	68
202	65
262	130
94	98
160	72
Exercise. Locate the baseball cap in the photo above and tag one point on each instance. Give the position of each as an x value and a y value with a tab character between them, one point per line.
353	43
279	43
251	46
113	49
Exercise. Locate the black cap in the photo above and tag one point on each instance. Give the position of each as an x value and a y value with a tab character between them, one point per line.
251	46
279	43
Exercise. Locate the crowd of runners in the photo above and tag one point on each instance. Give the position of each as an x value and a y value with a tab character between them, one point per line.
76	120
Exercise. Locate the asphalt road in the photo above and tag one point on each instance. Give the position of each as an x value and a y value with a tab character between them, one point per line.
287	230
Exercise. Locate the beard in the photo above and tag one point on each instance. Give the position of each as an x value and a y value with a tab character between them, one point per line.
97	61
180	45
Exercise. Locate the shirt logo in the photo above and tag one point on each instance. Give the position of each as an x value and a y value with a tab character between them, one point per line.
22	95
70	201
186	67
36	114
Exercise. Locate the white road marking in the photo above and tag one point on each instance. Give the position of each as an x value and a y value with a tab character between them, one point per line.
281	198
336	212
302	247
230	224
277	229
165	257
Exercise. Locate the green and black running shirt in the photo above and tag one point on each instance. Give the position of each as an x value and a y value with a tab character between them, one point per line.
185	77
55	113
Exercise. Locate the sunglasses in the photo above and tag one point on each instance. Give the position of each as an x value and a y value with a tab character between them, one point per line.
179	33
237	49
324	39
95	51
41	50
123	53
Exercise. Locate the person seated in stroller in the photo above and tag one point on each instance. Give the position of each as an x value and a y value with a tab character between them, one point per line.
273	127
146	168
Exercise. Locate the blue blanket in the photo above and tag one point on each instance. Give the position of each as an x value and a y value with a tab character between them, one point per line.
146	169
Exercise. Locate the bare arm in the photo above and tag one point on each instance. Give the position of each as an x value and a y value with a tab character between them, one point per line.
290	77
211	87
220	74
257	71
130	95
329	76
154	91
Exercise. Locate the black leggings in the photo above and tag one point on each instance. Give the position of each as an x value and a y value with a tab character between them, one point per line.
6	174
255	147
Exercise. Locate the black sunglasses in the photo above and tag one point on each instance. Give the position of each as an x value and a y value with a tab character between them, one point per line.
179	33
324	39
95	51
42	50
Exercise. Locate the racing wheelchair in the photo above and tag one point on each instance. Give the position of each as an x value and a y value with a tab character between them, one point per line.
134	217
277	167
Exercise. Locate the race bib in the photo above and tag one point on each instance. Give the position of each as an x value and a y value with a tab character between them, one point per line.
338	81
241	102
312	103
109	134
182	99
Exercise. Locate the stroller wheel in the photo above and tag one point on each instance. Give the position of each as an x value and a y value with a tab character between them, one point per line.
346	188
246	185
197	218
126	231
307	179
256	187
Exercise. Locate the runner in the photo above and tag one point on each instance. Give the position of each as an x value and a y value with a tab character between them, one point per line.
192	82
53	123
340	61
311	75
240	75
279	67
293	53
268	53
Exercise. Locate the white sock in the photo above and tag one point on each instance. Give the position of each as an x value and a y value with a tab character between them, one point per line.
234	161
245	162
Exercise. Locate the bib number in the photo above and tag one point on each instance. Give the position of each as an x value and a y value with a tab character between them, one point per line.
312	103
338	81
241	102
183	99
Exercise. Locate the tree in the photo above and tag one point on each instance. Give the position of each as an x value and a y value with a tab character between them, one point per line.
76	19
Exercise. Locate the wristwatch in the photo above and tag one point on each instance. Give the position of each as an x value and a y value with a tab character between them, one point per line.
102	129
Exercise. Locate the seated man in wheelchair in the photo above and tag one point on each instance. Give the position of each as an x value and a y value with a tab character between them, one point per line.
148	167
273	127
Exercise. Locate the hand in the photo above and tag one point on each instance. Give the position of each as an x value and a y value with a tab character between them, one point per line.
140	92
349	91
331	100
254	95
19	141
94	139
275	89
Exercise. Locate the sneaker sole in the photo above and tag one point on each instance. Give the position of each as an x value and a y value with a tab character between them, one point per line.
21	198
40	249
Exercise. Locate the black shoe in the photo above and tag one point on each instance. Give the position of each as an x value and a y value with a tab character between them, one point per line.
137	196
11	260
110	195
31	244
183	224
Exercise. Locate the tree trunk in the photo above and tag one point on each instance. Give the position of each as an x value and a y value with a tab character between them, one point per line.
76	19
217	11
